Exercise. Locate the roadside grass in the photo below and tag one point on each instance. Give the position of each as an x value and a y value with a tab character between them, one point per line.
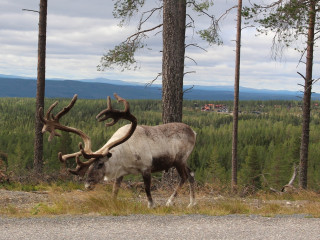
71	199
43	186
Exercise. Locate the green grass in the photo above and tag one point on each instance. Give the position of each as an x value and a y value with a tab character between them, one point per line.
30	187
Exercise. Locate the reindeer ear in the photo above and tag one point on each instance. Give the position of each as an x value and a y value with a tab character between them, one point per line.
109	155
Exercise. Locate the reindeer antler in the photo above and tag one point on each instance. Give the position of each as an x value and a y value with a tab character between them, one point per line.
51	124
115	115
81	167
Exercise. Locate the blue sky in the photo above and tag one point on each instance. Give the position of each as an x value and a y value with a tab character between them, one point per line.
80	31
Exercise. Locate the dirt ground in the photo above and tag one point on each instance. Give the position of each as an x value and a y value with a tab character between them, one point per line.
21	199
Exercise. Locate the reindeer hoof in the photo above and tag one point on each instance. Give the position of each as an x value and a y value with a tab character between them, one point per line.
151	205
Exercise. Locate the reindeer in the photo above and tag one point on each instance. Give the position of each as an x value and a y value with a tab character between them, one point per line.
133	149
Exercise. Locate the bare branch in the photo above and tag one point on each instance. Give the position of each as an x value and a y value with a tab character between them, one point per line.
226	13
251	26
123	54
152	81
144	31
189	72
152	11
196	6
195	45
287	186
290	183
317	32
188	89
300	60
192	20
312	81
157	33
295	171
30	10
192	59
315	80
302	76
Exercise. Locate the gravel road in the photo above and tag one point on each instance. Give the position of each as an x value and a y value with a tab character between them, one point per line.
160	227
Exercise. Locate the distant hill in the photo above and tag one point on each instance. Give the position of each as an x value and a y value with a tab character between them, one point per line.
12	86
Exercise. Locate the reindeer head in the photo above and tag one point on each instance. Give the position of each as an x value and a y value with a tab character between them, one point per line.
97	171
96	159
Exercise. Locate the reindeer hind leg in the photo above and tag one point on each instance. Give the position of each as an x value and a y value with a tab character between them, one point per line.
191	184
183	177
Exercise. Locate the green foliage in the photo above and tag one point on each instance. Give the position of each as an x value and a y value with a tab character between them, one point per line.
268	142
201	6
216	169
122	55
211	35
288	20
250	172
125	9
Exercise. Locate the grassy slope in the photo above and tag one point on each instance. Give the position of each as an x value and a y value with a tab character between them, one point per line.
69	199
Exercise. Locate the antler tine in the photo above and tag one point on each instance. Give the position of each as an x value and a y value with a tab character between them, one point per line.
116	115
109	103
120	99
82	167
50	109
109	109
106	113
67	108
47	120
65	157
47	117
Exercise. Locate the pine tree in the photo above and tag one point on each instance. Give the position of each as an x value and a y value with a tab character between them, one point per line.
250	172
216	170
291	20
38	141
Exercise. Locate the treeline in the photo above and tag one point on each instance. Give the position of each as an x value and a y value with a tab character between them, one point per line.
269	133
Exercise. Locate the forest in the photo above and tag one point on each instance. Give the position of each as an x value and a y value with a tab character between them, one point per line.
269	138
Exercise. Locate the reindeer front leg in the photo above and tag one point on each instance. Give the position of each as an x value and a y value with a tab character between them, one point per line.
116	187
147	186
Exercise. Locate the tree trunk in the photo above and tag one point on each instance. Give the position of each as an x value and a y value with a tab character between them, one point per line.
303	181
234	179
174	29
38	142
174	21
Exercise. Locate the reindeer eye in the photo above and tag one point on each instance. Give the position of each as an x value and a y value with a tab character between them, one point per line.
100	165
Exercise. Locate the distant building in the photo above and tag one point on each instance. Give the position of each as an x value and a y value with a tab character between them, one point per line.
214	107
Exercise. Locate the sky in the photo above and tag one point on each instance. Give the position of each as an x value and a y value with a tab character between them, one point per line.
79	32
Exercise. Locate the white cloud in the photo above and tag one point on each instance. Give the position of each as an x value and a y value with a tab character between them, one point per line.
80	31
